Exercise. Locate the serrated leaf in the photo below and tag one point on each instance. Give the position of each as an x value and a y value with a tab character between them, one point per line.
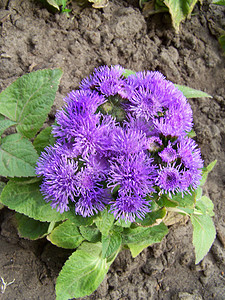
30	228
28	100
111	243
140	238
4	124
185	200
123	223
104	221
179	10
191	93
153	218
43	139
82	273
206	171
205	205
90	233
204	234
66	235
24	196
17	156
144	234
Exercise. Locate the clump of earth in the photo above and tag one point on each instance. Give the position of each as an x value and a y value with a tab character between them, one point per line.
33	38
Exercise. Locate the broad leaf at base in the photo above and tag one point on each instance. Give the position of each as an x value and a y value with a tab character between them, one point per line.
82	273
66	235
204	234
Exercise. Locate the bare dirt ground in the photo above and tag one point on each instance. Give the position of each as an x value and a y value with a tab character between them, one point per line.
32	38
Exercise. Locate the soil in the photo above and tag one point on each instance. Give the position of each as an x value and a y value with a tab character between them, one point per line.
33	38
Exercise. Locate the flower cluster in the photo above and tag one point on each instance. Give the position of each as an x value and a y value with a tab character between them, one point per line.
118	140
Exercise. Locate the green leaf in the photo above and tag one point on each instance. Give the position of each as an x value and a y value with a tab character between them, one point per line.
191	134
24	197
144	234
204	234
179	10
82	273
90	233
222	41
4	124
191	93
152	218
30	228
104	221
166	202
140	239
57	3
128	72
123	223
28	100
66	235
205	205
111	243
206	171
218	2
17	156
43	139
186	201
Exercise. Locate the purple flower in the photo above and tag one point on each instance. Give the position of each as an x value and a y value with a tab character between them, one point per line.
107	80
92	195
127	141
86	133
159	102
132	173
59	183
129	207
169	154
169	179
189	154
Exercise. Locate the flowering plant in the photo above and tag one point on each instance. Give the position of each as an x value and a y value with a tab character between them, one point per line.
118	161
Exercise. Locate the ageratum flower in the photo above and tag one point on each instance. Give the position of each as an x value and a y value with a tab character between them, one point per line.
59	183
118	140
107	80
157	100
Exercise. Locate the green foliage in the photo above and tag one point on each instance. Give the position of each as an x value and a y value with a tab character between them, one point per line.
24	196
104	222
4	124
17	156
218	2
111	243
66	235
139	238
90	233
206	171
30	228
204	234
222	41
178	9
82	272
191	93
28	100
43	139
